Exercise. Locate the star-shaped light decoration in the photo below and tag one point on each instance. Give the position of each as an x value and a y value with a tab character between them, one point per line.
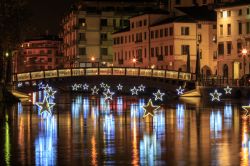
141	88
94	90
228	90
106	87
85	86
247	110
158	95
149	109
102	85
134	91
108	95
180	90
34	84
75	87
79	86
119	87
50	93
45	106
47	88
20	84
216	95
40	85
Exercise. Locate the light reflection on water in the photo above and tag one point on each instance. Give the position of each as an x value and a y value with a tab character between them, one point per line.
92	131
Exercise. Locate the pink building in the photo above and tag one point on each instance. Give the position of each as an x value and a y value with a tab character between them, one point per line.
41	53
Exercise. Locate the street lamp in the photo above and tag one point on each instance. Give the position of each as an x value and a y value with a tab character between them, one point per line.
92	60
134	61
244	53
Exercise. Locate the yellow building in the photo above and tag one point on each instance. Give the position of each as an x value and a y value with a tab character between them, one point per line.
233	31
88	27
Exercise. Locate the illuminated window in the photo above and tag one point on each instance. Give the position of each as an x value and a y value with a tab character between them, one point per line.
82	22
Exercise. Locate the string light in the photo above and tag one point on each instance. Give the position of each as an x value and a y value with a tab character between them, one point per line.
108	95
149	109
158	95
216	95
180	90
247	110
45	106
94	90
102	85
40	85
20	84
119	87
141	88
228	90
75	87
134	91
85	86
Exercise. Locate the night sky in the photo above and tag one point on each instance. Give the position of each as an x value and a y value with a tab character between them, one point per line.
47	14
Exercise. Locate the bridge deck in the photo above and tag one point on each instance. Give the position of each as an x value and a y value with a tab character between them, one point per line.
104	71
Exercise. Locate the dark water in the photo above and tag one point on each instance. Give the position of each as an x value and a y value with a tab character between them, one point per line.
85	130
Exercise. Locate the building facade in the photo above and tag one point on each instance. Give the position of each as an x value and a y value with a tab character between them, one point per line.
233	24
88	27
165	42
41	53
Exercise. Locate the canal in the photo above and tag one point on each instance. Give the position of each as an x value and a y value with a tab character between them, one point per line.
86	130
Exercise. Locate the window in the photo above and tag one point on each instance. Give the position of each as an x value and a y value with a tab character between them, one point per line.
157	51
104	22
132	25
185	31
214	26
82	51
82	36
41	52
49	59
221	48
133	39
221	14
239	47
171	31
104	51
140	23
152	52
204	1
82	22
145	35
114	23
49	51
161	33
248	11
199	26
228	29
240	12
152	34
229	47
156	34
166	50
166	31
221	30
145	22
184	49
240	28
171	50
247	27
145	52
103	36
229	13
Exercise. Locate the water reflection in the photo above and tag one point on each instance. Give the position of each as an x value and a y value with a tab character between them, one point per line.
46	142
90	131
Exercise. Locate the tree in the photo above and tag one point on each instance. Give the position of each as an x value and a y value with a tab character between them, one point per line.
13	21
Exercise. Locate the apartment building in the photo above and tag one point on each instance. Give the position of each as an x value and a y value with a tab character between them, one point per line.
88	27
40	53
233	24
168	42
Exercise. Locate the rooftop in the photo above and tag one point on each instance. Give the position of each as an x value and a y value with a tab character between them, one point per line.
181	19
44	37
233	4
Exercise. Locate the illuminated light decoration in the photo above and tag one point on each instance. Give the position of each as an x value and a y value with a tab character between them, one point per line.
180	90
45	106
47	88
108	95
27	83
247	110
20	84
50	93
149	109
34	84
119	87
85	86
102	85
228	90
216	95
158	95
134	91
75	87
94	90
141	88
106	87
40	85
79	85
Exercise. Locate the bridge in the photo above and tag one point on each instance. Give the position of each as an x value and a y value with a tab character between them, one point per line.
152	78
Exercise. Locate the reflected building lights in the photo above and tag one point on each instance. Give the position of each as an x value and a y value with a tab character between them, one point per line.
245	150
76	107
180	113
109	135
228	114
119	105
19	108
85	107
159	123
7	143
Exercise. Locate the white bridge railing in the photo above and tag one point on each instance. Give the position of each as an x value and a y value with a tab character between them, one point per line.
102	71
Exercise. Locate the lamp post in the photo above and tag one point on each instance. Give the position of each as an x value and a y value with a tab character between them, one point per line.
92	60
134	61
244	53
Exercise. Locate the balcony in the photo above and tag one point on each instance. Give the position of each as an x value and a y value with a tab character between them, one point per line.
138	40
